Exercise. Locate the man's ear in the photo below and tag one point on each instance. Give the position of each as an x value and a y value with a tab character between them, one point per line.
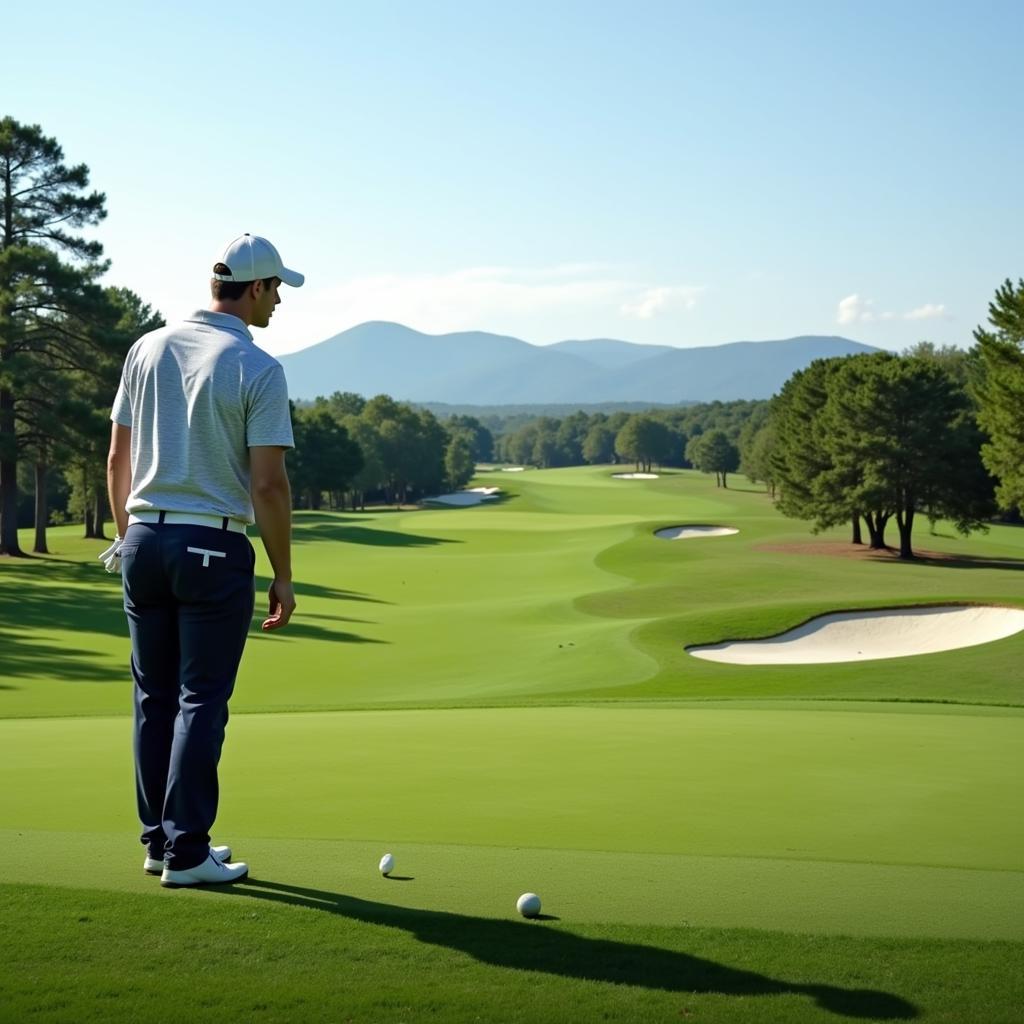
256	288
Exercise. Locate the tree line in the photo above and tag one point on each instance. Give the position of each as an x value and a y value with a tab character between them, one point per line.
704	435
350	451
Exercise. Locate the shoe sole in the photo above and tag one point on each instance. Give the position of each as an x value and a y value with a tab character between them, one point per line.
198	885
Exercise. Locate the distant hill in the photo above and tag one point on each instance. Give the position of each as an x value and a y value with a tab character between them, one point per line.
473	367
609	353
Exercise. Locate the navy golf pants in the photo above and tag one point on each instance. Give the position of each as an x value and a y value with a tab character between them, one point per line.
189	597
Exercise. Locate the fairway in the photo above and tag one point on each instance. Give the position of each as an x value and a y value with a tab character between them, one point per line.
500	695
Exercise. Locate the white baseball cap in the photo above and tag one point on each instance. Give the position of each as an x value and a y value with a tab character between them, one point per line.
251	258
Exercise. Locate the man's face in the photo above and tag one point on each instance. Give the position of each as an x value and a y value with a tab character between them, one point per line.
265	301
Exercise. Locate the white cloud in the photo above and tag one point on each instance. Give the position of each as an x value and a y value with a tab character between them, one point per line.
855	310
929	311
499	299
656	300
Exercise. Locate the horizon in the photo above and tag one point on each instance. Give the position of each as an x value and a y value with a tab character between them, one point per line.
669	174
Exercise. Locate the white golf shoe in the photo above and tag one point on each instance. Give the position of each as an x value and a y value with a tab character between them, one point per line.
152	866
210	872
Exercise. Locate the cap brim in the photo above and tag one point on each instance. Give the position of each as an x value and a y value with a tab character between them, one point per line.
292	277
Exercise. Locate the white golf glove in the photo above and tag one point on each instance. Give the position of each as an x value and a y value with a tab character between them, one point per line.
111	558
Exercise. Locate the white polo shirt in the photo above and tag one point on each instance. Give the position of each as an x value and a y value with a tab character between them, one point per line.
198	396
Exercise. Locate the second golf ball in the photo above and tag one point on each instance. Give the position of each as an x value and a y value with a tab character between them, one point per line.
387	864
528	904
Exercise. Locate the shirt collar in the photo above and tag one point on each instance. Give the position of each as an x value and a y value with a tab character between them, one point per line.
226	321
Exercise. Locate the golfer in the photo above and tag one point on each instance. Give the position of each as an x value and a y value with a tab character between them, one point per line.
200	429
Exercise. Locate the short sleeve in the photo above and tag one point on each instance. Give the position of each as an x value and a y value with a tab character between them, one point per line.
268	421
121	413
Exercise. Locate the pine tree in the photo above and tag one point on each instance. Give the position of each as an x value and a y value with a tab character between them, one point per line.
999	391
41	295
894	437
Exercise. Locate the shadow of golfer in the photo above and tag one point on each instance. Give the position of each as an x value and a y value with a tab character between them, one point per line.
532	947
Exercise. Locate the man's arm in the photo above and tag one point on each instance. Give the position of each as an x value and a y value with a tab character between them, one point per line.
119	474
272	504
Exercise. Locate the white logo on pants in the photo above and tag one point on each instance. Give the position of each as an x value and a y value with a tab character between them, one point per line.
207	555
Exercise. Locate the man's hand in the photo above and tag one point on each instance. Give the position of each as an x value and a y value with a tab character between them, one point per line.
282	604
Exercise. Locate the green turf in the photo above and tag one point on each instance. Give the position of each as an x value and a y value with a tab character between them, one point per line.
823	898
936	790
275	952
501	697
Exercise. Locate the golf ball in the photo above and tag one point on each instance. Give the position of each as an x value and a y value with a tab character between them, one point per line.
528	904
387	864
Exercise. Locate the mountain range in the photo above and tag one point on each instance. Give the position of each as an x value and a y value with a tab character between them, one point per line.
492	369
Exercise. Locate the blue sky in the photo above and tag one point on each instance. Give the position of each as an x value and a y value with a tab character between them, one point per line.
672	173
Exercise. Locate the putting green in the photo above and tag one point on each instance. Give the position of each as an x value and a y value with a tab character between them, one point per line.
814	820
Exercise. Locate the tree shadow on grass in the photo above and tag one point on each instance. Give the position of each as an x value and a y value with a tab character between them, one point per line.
299	630
941	560
346	534
532	947
302	517
41	595
24	658
304	589
80	590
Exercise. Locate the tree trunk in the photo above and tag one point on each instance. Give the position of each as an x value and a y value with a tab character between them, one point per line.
9	508
97	514
724	481
8	478
876	529
857	538
42	512
905	522
88	509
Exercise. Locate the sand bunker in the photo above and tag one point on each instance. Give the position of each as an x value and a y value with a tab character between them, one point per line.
472	496
635	476
512	469
868	636
688	532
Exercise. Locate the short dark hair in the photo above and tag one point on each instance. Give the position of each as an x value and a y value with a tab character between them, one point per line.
231	290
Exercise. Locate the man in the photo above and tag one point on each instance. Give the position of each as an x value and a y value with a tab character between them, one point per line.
200	429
